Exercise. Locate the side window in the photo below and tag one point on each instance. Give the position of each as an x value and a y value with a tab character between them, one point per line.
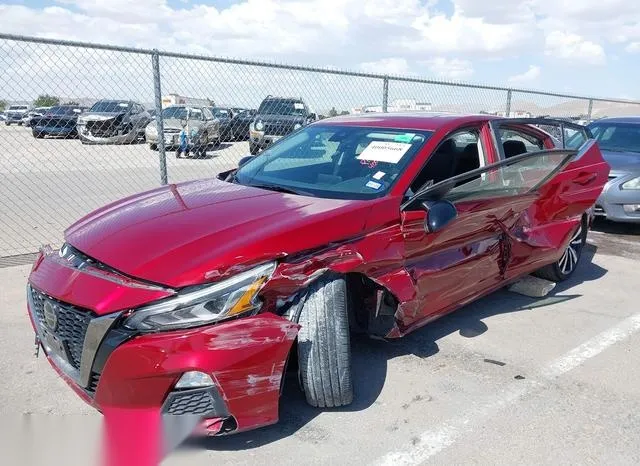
515	142
512	179
459	153
207	114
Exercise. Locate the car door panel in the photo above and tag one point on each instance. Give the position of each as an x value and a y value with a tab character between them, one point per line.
471	256
463	261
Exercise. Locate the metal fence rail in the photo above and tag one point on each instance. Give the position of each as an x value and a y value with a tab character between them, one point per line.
47	183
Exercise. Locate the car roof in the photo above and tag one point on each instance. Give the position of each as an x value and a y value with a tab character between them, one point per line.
414	120
626	119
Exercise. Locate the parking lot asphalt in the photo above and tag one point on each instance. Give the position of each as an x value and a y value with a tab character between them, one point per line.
47	184
506	380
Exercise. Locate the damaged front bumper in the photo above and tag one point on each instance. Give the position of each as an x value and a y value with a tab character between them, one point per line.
242	361
107	132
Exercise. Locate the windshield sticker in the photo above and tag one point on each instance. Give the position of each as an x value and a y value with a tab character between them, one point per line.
382	151
373	185
298	106
407	137
379	175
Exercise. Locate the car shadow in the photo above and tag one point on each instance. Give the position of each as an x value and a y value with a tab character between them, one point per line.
212	152
614	228
370	358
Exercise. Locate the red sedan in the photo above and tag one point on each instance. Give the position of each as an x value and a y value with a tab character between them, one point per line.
190	298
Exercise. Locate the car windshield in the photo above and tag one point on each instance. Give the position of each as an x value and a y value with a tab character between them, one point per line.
110	106
221	112
182	113
282	107
617	137
18	107
63	111
339	162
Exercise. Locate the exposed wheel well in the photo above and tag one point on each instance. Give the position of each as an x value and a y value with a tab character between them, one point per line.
372	307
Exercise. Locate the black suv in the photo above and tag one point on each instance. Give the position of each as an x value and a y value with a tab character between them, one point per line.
277	117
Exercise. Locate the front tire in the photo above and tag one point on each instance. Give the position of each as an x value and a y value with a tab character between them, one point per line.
324	351
567	264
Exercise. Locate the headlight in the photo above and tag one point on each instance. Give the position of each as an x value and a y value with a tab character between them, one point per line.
297	126
259	125
631	184
231	297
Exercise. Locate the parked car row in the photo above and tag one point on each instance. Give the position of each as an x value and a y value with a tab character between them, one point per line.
189	129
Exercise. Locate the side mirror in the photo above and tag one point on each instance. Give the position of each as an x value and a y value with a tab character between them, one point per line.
244	160
439	215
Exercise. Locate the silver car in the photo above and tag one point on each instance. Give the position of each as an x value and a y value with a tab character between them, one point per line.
113	122
203	128
619	140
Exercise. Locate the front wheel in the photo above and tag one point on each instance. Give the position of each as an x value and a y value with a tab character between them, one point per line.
324	351
565	267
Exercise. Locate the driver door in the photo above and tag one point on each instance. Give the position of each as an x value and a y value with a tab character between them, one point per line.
469	256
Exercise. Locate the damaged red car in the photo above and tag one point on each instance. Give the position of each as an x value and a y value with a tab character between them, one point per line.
191	298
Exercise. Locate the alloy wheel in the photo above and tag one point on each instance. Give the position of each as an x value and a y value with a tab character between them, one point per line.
569	259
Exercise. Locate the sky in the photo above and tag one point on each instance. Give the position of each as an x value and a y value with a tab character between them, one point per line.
585	47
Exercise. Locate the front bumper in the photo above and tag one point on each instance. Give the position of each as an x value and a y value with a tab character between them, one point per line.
262	140
111	134
245	358
612	201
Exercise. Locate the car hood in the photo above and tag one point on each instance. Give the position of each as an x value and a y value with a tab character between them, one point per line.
622	162
99	116
186	234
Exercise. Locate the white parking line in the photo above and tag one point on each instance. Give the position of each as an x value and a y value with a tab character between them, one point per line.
434	440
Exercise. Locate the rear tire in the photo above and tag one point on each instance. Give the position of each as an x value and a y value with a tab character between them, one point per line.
324	351
153	146
37	134
565	267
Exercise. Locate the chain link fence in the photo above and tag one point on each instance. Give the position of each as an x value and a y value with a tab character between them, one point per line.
84	125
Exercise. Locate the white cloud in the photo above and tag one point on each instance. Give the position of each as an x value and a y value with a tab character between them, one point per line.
386	66
532	74
454	68
633	47
574	48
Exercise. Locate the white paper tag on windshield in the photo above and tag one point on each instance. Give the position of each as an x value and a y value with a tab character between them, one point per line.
379	175
384	151
298	106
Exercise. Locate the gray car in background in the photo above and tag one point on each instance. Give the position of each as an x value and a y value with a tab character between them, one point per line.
113	122
619	141
203	128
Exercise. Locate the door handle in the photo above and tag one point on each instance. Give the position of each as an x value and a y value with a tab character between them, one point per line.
585	178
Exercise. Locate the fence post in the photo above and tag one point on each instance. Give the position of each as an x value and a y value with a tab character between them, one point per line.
385	93
590	111
155	60
508	107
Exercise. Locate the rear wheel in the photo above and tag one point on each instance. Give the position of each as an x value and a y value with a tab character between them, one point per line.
324	351
567	264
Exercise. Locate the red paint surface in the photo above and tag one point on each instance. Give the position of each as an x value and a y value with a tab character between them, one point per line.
202	231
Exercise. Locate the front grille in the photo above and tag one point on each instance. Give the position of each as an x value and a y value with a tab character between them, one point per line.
107	128
198	402
72	325
93	382
278	129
